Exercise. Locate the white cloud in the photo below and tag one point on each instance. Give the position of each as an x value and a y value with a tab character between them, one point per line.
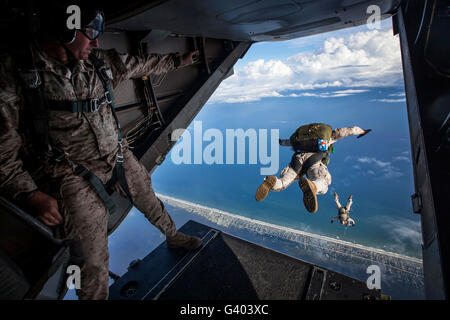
263	79
370	58
384	169
388	100
401	158
391	172
398	94
348	158
334	94
363	59
379	163
350	91
402	232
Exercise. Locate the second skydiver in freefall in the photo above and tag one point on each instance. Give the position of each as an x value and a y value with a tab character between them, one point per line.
312	144
344	212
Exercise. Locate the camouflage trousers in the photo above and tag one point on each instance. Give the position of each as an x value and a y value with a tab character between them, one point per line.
85	219
318	174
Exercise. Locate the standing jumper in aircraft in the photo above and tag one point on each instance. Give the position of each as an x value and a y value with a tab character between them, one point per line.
312	144
64	90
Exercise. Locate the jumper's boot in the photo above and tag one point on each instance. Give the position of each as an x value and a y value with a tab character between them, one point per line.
265	187
181	240
309	194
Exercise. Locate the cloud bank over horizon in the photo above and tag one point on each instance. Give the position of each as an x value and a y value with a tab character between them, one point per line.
342	64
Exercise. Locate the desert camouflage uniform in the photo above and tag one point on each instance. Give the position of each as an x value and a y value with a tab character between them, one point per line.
318	173
90	139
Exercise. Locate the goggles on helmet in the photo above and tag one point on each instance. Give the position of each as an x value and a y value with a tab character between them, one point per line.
95	28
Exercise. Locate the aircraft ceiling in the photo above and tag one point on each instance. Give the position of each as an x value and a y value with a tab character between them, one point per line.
250	20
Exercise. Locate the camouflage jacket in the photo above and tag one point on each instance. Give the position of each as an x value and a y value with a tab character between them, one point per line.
86	136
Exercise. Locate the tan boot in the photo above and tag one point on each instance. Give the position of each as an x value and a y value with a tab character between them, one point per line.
181	240
309	194
265	187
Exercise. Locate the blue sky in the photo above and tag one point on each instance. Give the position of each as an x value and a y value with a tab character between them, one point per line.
344	62
285	49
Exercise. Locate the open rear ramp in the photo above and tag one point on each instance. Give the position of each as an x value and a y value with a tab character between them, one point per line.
230	268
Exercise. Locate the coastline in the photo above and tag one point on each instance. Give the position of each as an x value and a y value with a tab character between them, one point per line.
227	219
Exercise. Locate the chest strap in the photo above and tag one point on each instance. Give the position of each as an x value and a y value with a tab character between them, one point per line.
89	105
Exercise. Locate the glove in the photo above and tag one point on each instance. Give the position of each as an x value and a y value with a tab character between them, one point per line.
363	134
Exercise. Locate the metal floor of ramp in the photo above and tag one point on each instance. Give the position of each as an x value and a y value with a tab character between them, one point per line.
230	268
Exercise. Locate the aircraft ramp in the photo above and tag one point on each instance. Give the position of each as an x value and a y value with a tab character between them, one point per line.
230	268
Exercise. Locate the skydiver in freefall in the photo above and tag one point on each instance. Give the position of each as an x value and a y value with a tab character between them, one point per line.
343	212
312	144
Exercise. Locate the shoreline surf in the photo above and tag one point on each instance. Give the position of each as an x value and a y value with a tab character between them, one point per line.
227	219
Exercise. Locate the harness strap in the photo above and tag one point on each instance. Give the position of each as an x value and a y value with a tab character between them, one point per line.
89	105
98	186
317	157
301	170
119	175
306	146
106	76
295	164
314	145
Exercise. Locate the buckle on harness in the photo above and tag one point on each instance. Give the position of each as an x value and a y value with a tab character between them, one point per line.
106	72
31	78
108	97
94	105
57	154
80	170
120	151
60	155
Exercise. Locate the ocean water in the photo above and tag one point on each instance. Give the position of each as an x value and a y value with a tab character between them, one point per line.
375	169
